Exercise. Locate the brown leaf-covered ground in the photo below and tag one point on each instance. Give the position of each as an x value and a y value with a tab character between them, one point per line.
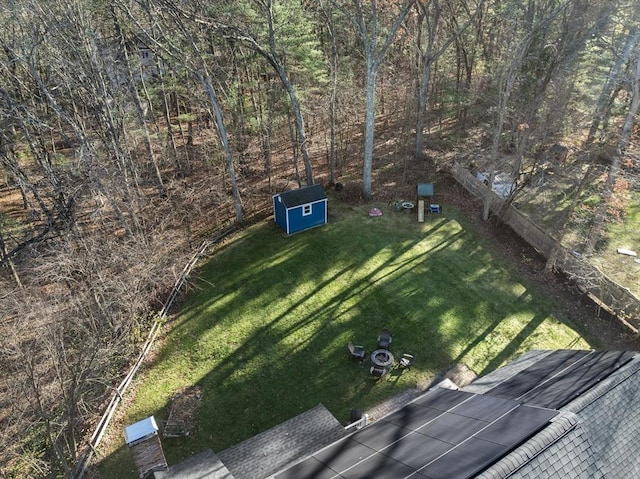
200	203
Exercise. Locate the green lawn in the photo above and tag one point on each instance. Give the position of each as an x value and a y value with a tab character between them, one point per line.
265	332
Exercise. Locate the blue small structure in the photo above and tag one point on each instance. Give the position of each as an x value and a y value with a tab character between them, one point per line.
301	209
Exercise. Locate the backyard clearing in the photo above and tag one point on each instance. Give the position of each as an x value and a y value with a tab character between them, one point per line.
264	332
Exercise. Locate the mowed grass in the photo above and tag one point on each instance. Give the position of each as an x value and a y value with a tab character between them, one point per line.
265	331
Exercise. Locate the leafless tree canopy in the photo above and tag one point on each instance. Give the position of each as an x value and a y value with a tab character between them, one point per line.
132	129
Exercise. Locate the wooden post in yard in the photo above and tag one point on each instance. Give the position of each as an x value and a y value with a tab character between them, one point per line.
421	211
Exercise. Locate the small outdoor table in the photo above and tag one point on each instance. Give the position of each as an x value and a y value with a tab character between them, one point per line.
382	358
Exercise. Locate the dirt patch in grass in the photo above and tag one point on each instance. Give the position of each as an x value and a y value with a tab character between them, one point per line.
183	408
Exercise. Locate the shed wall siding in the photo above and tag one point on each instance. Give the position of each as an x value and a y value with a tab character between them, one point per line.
297	218
279	213
298	221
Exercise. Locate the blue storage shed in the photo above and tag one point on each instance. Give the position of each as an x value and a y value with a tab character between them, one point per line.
300	209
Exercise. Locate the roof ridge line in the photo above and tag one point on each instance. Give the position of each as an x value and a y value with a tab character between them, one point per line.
558	427
619	376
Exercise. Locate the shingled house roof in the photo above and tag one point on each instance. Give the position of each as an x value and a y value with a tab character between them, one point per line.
205	465
265	453
547	414
270	451
603	441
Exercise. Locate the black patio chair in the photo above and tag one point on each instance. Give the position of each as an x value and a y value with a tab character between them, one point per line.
406	360
357	352
377	371
384	340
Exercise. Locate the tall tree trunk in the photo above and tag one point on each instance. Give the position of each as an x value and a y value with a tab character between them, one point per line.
135	96
199	69
294	152
6	259
166	113
367	30
600	218
204	77
603	107
426	60
507	80
300	130
273	58
369	126
553	256
430	56
333	104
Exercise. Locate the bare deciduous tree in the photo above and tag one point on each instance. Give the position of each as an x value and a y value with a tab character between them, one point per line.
375	43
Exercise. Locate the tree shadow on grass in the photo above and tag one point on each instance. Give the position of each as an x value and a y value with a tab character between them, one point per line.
303	346
514	345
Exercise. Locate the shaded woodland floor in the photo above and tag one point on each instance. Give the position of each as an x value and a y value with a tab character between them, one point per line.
199	203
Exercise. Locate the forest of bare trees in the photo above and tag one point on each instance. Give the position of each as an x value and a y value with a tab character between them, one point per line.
132	129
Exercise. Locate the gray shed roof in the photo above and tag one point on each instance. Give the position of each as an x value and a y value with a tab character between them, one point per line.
302	196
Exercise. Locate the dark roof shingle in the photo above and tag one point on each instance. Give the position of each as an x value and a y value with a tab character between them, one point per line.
302	196
205	465
266	453
592	436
